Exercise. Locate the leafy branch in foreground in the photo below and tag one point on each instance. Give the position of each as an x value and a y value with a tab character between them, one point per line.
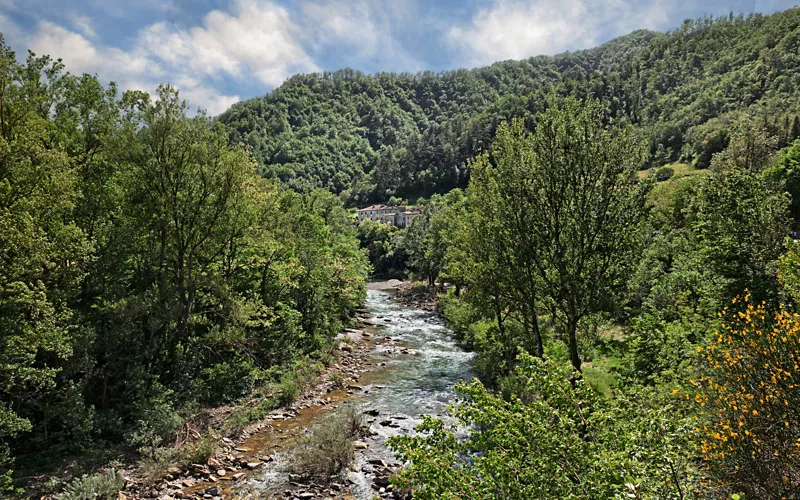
554	437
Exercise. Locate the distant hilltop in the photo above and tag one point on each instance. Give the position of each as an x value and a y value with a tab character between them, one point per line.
395	215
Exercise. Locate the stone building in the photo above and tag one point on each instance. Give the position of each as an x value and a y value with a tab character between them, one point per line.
395	215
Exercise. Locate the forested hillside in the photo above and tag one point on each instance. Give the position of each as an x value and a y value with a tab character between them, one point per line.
410	135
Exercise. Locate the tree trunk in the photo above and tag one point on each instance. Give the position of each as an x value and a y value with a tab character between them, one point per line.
574	357
537	335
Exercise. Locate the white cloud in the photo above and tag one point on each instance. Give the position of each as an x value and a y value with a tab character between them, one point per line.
82	24
82	56
345	22
364	26
515	29
257	37
78	53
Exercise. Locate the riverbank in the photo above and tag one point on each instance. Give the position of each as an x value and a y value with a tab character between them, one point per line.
217	438
244	454
409	370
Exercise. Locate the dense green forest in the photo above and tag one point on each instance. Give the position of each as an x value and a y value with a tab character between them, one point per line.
609	230
373	136
146	269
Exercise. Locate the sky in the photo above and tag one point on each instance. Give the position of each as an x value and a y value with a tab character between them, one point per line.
218	52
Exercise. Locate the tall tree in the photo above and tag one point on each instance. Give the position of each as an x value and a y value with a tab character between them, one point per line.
586	210
504	206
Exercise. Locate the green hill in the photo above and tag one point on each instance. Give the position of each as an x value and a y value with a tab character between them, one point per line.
412	134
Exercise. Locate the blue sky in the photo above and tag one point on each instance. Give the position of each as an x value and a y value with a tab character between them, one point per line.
220	51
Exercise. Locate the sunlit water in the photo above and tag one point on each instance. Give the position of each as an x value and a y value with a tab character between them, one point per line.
411	385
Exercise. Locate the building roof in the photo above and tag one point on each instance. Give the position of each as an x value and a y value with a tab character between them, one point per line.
380	206
412	212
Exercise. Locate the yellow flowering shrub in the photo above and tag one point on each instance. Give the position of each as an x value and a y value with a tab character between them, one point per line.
748	397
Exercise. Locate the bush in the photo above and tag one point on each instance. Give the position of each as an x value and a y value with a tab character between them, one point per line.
748	399
100	486
155	464
664	173
326	452
201	450
159	425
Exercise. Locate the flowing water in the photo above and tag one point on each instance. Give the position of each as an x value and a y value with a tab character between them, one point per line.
422	364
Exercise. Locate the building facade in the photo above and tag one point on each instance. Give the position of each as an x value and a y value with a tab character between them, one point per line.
394	215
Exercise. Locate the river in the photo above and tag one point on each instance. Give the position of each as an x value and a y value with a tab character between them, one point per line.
423	362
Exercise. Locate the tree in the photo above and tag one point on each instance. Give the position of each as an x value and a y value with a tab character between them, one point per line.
751	148
587	207
741	220
550	437
499	237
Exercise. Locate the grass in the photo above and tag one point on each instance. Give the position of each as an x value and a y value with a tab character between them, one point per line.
601	375
680	170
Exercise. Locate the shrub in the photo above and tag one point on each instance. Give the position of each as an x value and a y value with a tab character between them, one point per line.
748	397
289	388
159	423
329	448
155	464
553	437
100	486
201	450
664	173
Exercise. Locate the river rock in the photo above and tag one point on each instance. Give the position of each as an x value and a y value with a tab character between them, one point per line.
221	472
254	465
359	445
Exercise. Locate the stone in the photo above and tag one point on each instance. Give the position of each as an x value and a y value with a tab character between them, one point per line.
213	491
346	348
238	476
242	449
254	465
359	445
221	472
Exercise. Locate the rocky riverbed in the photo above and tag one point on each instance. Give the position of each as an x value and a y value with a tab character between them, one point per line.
400	364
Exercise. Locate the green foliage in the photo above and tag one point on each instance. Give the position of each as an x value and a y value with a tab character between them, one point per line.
553	438
663	173
101	486
372	137
741	219
146	268
385	245
328	449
